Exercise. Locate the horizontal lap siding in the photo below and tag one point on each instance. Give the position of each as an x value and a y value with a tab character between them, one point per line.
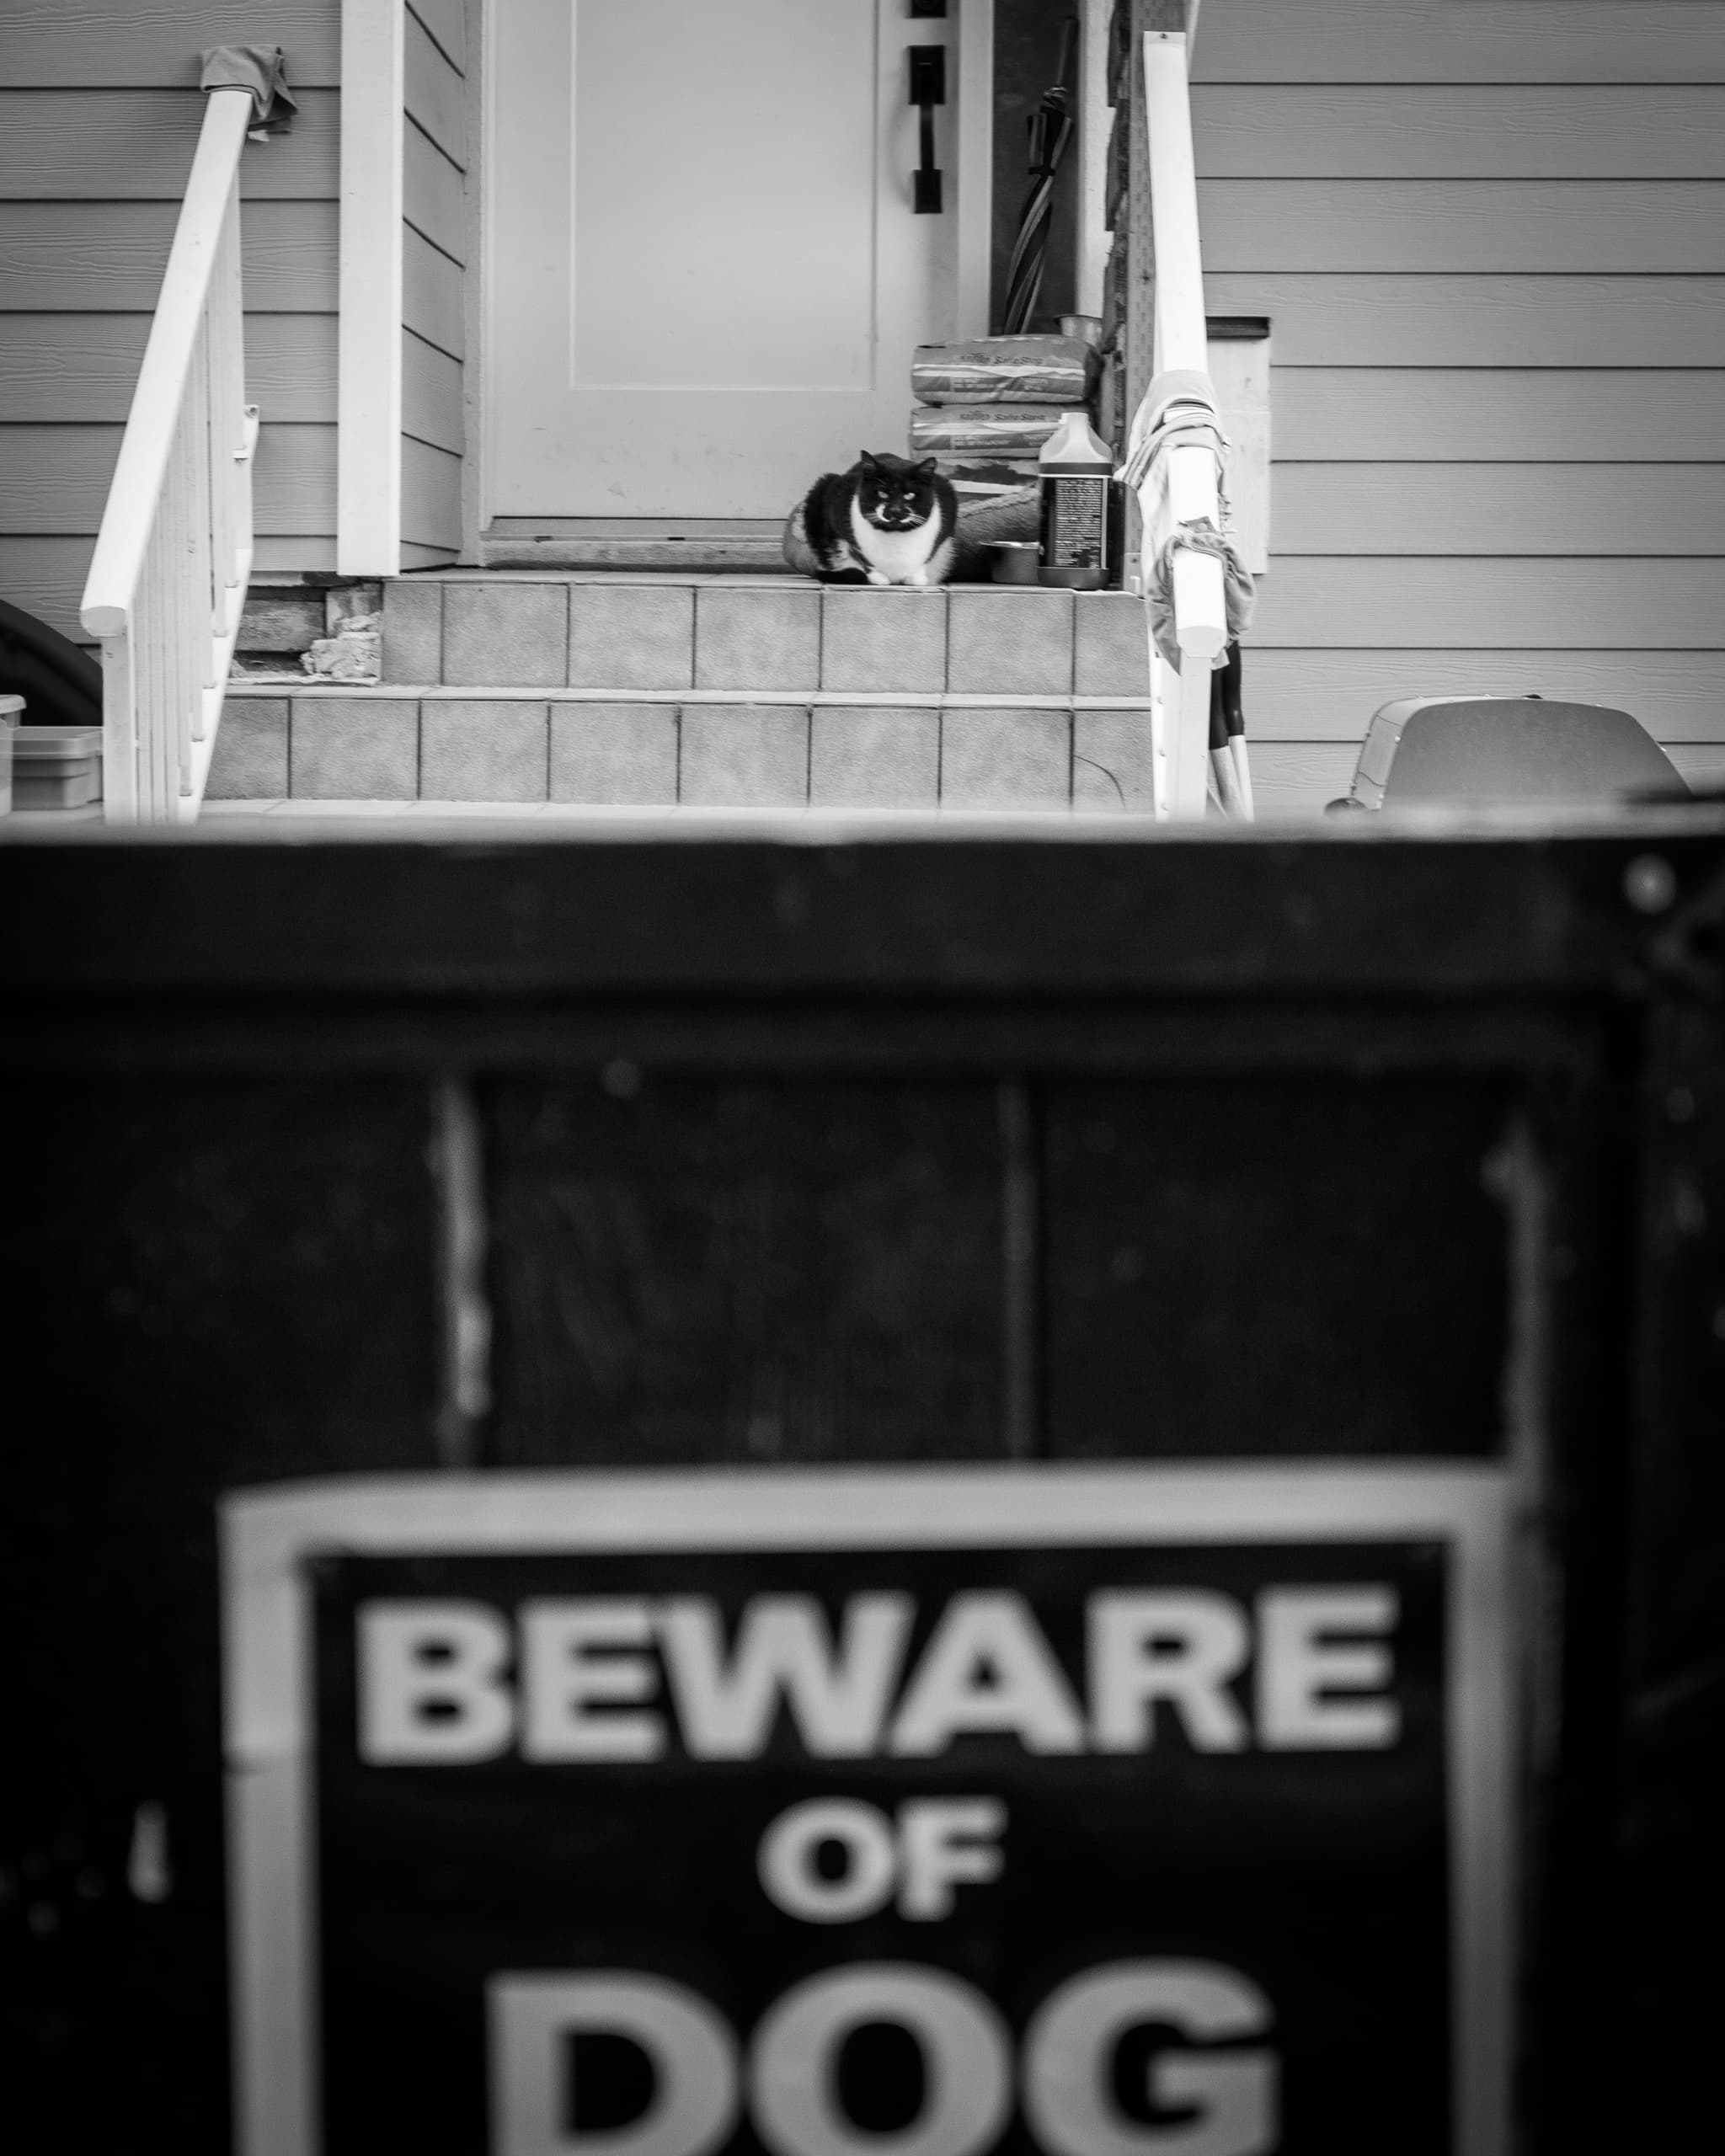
117	146
1601	414
99	122
433	302
1394	42
67	258
1491	244
56	478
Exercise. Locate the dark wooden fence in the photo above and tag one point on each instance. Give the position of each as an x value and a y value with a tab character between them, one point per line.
748	1150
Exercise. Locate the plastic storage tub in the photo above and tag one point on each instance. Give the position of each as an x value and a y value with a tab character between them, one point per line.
56	767
11	711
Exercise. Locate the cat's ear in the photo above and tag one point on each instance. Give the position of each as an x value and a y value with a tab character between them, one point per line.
928	468
866	462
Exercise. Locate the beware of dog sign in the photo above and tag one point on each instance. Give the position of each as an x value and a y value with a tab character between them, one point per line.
1137	1811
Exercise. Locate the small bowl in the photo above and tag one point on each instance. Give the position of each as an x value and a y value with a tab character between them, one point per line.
1015	561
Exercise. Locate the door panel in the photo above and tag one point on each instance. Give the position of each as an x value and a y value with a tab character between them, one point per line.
706	276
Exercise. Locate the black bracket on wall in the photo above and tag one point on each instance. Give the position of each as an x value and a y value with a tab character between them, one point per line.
928	10
928	88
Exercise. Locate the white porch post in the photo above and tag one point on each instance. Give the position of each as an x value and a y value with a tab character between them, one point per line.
368	401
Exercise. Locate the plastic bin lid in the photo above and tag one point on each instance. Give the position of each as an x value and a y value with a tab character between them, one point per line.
10	707
59	742
1524	749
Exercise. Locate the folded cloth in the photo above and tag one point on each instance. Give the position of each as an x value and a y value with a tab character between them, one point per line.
1179	407
1238	591
1179	411
262	70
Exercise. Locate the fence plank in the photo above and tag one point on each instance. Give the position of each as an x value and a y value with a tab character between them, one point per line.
1159	1250
670	1272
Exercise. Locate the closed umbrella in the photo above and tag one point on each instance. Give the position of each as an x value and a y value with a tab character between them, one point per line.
1051	126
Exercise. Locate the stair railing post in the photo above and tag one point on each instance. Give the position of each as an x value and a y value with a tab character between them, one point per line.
165	547
1192	495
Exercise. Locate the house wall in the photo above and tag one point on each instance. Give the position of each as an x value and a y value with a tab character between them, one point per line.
1490	239
99	116
434	249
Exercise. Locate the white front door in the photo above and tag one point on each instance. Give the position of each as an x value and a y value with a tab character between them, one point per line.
706	277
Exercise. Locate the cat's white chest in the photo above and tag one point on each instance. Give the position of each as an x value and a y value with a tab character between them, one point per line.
912	557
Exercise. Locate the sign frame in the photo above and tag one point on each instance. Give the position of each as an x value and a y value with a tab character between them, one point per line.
268	1710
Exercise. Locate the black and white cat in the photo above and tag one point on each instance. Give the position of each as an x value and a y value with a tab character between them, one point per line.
886	520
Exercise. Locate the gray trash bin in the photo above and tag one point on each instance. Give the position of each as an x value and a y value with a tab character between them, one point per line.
1448	752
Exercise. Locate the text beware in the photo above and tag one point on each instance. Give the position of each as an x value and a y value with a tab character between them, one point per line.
603	1679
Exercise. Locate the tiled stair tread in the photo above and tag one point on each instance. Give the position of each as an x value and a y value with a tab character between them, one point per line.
391	744
719	691
427	815
666	633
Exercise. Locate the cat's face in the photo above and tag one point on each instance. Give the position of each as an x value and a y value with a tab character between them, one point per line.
893	494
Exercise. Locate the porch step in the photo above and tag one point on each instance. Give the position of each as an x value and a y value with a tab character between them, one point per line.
681	632
656	748
719	691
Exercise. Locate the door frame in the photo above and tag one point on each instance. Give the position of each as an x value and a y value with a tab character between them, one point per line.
370	302
972	174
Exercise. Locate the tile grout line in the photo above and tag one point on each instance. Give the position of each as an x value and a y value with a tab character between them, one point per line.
363	692
1073	688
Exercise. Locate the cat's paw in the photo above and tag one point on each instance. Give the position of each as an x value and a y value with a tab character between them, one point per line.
879	580
919	578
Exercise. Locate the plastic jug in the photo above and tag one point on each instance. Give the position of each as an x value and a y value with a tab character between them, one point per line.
1076	467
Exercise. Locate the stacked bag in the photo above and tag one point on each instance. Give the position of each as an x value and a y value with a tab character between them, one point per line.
986	407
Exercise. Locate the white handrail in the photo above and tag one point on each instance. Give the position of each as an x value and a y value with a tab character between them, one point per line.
173	557
1191	494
